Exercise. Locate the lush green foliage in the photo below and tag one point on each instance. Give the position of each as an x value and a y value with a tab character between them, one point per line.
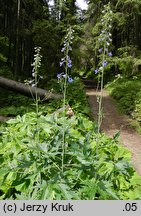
128	96
75	97
16	104
137	111
30	150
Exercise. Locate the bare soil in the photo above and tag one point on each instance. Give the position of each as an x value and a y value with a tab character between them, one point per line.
4	118
113	121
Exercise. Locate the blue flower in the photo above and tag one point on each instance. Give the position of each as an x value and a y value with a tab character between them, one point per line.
69	65
104	63
64	75
33	74
69	62
70	80
63	49
59	75
110	54
61	63
96	71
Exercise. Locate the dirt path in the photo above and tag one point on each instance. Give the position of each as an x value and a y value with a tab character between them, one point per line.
4	118
113	122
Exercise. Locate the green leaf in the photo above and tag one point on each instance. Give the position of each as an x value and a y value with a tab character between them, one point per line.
65	190
135	180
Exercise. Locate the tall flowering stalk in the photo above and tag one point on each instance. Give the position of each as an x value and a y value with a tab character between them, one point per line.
34	82
64	78
35	74
103	48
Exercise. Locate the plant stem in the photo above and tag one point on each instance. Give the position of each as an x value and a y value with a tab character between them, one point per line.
64	95
101	95
64	103
100	107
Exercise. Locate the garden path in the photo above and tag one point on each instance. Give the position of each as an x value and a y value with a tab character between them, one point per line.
4	118
113	121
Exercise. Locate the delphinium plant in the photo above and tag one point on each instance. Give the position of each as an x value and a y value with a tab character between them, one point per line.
103	49
34	83
64	78
35	77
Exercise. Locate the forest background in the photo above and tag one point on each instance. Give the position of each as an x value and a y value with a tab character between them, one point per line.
26	24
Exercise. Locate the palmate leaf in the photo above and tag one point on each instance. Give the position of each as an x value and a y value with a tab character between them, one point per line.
107	187
22	196
122	153
66	191
89	189
75	133
122	183
51	191
24	164
123	166
27	188
7	181
44	192
131	194
105	169
2	197
23	187
29	178
83	161
47	129
4	171
135	180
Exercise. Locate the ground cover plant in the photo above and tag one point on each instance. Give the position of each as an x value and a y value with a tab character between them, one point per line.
31	161
126	92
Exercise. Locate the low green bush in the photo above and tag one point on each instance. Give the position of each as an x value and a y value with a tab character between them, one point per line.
137	111
127	94
30	161
14	104
75	95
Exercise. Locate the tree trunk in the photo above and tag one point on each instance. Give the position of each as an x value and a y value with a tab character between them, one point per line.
17	42
26	89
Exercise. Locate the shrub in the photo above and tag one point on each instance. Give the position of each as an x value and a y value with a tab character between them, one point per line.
128	97
137	111
125	92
